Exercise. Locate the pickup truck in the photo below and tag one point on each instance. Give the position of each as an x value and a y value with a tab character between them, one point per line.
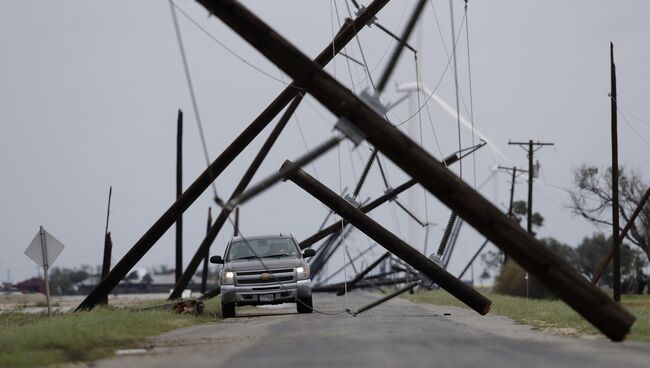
264	270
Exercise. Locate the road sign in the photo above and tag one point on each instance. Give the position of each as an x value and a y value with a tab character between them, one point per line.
43	250
53	248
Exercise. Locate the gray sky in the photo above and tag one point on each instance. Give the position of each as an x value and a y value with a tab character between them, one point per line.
89	92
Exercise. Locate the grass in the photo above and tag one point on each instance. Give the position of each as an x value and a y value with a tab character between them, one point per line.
549	315
28	340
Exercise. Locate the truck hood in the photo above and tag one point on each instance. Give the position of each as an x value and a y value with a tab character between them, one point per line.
271	263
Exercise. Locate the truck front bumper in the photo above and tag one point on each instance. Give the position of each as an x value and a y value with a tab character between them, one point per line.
266	294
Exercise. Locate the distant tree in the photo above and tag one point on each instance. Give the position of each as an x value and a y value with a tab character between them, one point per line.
520	212
63	280
512	277
592	250
592	199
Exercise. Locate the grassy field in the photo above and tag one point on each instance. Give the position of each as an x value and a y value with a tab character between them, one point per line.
550	315
28	340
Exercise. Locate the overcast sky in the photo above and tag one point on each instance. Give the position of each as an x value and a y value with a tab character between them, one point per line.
89	92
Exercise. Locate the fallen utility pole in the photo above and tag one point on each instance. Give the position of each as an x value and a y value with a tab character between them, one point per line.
589	301
362	284
626	229
388	297
156	231
383	81
616	264
179	193
206	258
389	241
371	206
362	274
108	244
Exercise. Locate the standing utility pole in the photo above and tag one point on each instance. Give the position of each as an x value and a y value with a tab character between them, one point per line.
532	148
514	170
615	211
204	275
179	192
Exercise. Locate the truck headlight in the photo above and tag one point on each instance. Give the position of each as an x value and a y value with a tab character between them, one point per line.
302	273
227	278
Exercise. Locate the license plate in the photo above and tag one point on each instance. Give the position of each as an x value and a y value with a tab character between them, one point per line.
266	298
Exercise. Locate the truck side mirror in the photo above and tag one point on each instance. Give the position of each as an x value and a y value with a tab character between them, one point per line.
216	259
308	253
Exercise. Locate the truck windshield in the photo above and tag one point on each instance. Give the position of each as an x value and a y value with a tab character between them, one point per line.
263	248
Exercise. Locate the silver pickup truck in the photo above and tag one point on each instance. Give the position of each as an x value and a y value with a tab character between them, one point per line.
264	270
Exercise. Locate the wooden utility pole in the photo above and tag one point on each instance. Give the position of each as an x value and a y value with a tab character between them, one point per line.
531	147
389	241
204	275
108	244
236	230
615	210
346	34
550	269
179	192
514	170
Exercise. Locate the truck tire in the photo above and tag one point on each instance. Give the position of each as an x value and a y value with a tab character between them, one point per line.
304	305
227	310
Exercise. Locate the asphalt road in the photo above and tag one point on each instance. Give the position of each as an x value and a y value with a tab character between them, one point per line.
397	334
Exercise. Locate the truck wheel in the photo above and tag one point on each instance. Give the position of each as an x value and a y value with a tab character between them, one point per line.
228	310
304	305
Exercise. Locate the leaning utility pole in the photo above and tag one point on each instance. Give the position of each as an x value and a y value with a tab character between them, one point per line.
347	32
554	272
179	192
532	148
615	210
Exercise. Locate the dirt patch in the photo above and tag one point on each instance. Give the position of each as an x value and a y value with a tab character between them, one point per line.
13	300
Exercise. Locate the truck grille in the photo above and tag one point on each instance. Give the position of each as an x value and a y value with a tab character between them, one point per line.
262	277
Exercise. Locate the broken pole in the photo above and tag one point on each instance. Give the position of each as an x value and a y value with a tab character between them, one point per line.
206	258
362	274
347	32
179	192
389	241
106	264
589	301
616	274
108	244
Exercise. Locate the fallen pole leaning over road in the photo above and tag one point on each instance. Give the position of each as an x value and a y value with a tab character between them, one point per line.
347	32
386	298
589	301
371	206
389	241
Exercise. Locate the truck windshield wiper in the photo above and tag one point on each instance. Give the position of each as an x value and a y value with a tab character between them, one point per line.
277	255
247	257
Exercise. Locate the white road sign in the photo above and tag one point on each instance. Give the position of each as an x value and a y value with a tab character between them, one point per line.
53	248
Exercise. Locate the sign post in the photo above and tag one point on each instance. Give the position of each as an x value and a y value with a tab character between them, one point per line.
43	250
